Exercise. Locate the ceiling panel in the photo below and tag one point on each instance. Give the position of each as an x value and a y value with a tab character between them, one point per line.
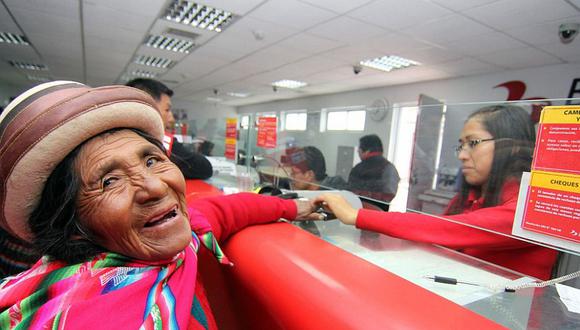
48	46
37	21
238	7
433	55
353	55
395	43
468	66
461	5
61	9
521	58
18	52
291	13
347	30
340	7
241	40
6	22
312	65
448	29
272	57
540	33
309	44
96	16
193	67
484	44
147	8
316	41
401	15
514	13
567	52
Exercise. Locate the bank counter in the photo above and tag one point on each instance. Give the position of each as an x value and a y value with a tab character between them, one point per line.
325	275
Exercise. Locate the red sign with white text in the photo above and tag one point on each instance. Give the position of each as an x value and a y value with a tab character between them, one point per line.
552	203
558	148
267	132
231	137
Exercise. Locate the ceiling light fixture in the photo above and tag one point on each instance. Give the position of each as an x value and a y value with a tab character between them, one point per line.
214	99
389	63
12	38
28	66
200	16
144	74
157	62
289	84
37	78
237	94
168	43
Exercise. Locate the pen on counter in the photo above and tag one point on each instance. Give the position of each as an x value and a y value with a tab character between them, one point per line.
450	280
454	281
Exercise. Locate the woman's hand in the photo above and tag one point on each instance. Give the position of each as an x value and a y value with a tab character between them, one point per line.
339	206
306	210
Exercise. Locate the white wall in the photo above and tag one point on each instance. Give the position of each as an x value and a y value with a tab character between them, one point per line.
546	82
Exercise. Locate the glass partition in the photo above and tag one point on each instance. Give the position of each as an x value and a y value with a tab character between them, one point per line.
438	163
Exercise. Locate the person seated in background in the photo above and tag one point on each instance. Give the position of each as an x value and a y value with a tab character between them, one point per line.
309	170
206	148
193	165
107	209
495	147
374	176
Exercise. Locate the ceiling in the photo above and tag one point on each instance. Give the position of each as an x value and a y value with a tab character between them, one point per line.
315	41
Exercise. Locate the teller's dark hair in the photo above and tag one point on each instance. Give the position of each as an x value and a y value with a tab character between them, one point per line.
55	224
514	137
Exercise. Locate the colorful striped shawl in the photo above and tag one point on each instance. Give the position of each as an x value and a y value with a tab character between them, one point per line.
109	292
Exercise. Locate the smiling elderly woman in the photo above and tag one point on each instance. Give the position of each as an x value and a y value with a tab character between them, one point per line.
85	179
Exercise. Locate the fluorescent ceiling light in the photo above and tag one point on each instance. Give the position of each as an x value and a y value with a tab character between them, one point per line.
388	63
289	83
153	61
214	99
37	78
168	43
28	66
199	16
12	38
236	94
144	74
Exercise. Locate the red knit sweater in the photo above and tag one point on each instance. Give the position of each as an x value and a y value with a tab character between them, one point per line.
230	214
520	256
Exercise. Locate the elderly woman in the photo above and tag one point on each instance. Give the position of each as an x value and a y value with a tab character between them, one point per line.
85	179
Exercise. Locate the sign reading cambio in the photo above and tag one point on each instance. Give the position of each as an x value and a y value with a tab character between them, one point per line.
552	201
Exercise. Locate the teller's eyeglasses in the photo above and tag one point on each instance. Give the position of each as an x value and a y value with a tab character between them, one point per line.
469	145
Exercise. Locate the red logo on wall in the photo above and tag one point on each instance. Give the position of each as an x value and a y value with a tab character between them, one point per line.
517	89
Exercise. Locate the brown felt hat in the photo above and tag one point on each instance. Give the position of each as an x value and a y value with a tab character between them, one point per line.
44	124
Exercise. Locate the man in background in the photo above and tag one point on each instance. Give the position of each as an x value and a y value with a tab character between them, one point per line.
192	164
309	170
374	176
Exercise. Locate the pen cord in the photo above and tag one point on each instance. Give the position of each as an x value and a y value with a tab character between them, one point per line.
542	284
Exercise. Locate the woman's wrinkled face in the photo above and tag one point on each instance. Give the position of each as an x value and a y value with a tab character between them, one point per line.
132	197
477	160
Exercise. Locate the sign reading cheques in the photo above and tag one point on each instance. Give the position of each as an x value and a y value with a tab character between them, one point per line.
267	132
552	203
231	137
